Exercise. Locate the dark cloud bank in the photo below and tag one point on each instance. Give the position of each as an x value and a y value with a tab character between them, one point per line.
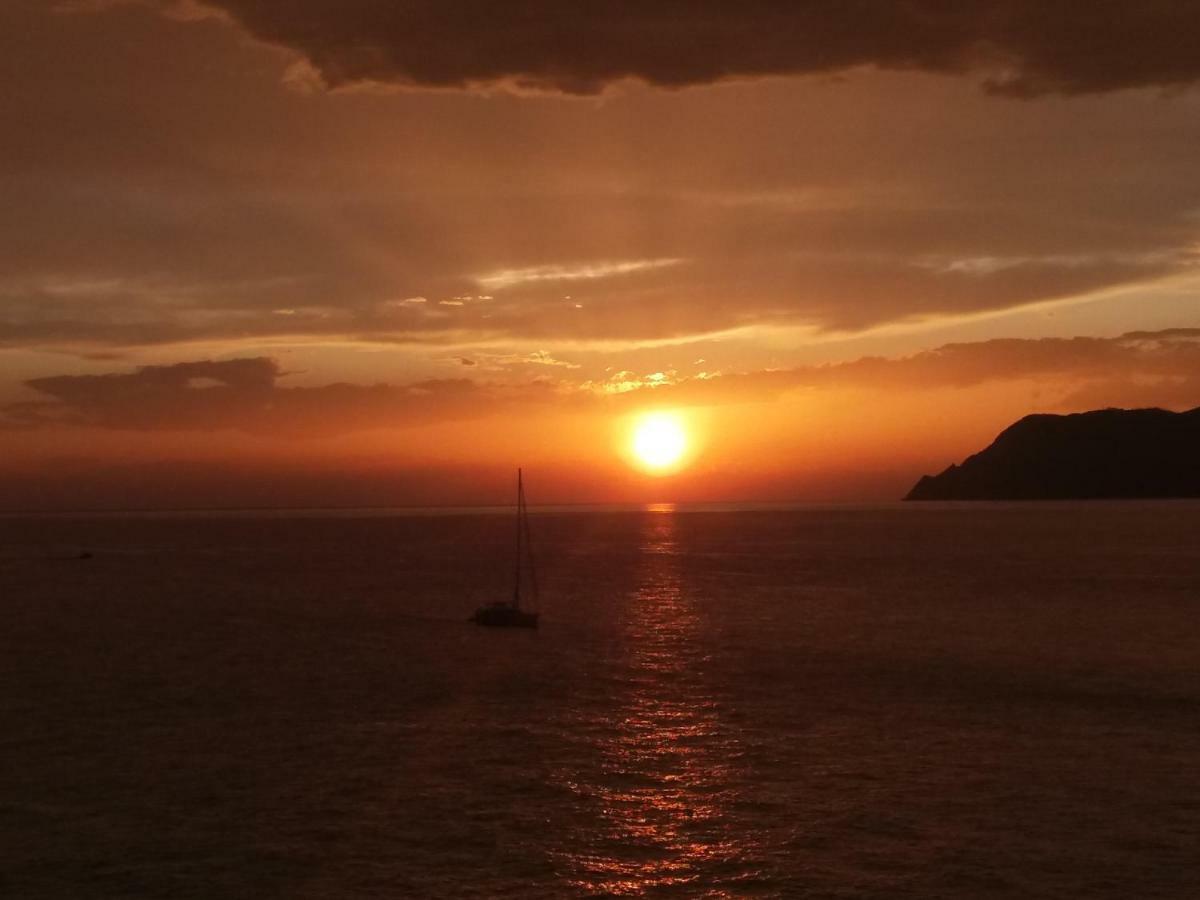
242	395
1020	47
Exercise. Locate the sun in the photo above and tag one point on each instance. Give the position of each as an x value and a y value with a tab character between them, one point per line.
659	441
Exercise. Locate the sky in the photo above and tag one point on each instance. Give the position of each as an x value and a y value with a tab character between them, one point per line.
302	253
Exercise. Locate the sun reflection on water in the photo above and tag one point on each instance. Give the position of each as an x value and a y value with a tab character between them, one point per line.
665	760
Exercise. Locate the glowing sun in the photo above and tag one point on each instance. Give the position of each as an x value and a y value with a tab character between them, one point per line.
659	441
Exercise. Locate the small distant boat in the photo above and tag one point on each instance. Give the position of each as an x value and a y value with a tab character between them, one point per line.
509	614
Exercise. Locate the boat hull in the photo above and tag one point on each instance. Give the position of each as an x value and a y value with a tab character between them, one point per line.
501	615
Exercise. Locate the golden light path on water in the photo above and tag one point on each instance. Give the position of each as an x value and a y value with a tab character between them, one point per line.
665	761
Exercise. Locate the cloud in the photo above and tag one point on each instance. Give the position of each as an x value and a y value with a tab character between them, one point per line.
536	358
872	201
512	362
586	272
1135	369
242	395
83	274
1021	47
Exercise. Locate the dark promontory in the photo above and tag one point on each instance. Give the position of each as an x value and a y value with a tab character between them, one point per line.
1108	453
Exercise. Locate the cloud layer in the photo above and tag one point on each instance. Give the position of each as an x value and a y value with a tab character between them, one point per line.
1134	370
1022	47
240	395
161	187
1137	369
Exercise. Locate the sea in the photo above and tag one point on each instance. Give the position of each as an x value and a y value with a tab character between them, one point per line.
891	701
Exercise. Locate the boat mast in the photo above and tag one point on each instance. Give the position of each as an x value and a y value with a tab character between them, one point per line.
517	571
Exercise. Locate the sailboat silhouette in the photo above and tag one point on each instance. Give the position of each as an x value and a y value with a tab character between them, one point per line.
509	614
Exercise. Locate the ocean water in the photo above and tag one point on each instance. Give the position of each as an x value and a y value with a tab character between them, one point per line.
897	701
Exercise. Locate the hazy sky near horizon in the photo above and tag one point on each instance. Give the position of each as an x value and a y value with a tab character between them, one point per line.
376	240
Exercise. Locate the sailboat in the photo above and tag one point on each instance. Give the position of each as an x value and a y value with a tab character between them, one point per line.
509	614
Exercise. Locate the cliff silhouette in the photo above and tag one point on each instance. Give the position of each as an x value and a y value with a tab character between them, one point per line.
1107	453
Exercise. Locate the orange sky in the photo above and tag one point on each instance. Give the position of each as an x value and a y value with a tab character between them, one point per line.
260	253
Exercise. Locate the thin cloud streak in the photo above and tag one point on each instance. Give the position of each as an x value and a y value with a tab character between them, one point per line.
507	278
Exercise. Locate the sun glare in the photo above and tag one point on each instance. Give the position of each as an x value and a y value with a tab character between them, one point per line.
659	441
